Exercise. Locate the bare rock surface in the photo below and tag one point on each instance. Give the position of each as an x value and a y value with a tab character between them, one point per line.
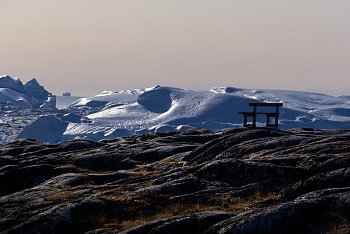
233	181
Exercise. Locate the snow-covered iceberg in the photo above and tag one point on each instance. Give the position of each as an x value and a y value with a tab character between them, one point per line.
15	95
160	109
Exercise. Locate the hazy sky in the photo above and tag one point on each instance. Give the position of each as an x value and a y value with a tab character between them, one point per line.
86	46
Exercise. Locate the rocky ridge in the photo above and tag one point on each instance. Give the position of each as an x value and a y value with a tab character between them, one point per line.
233	181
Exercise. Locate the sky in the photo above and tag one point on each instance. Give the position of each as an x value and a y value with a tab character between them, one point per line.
87	46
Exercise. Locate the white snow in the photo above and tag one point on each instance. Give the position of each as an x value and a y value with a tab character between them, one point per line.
15	95
12	97
108	97
12	93
160	109
13	84
47	128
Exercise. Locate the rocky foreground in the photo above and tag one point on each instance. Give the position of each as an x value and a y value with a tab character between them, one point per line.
233	181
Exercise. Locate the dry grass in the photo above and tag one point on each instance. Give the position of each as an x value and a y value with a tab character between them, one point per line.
145	171
166	212
108	198
231	203
226	203
341	228
58	197
345	154
63	187
142	170
130	202
172	160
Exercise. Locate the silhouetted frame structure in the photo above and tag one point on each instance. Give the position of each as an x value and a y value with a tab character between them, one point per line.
269	115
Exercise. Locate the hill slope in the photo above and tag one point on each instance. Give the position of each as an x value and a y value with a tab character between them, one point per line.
233	181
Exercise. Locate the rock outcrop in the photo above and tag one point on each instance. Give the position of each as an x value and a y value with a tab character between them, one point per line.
232	181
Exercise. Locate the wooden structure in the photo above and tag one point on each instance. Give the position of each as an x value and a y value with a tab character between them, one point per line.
268	115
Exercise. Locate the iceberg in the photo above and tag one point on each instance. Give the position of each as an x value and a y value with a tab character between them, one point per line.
15	95
159	109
